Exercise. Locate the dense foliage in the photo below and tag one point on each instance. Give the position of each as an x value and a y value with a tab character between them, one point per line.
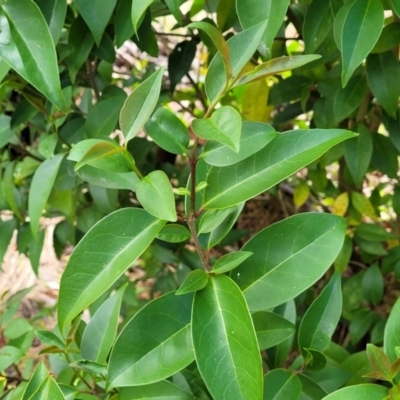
235	164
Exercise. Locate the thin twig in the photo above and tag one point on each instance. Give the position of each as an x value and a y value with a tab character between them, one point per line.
198	91
173	34
91	71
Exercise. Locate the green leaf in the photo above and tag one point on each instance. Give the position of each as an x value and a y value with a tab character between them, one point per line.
241	48
137	12
221	325
97	14
255	136
107	156
123	22
39	375
359	392
373	232
209	220
362	204
168	131
7	229
42	183
156	391
174	233
320	320
271	11
317	24
310	389
275	66
154	344
6	133
195	281
219	42
271	329
280	384
315	360
9	188
154	192
358	153
50	339
343	258
360	324
99	334
103	117
140	105
396	6
173	6
279	269
357	28
281	158
230	261
26	45
54	12
8	356
48	390
90	366
389	38
383	74
392	332
100	258
379	361
224	126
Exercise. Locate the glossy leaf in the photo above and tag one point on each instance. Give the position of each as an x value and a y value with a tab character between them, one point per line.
343	258
42	183
140	105
219	42
196	280
123	22
154	344
224	126
39	375
275	66
320	320
54	12
255	136
389	38
241	48
392	332
362	204
156	391
8	356
280	269
379	361
154	192
174	233
271	329
9	189
359	392
230	261
107	156
251	13
49	338
396	6
137	12
91	271
97	14
7	229
221	325
209	220
27	46
168	131
357	27
48	390
281	158
383	74
280	384
373	232
99	334
358	153
6	133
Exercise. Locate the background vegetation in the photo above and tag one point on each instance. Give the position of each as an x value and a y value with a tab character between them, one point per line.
120	115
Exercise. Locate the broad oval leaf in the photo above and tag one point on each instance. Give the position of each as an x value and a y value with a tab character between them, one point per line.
196	280
27	46
39	375
154	192
140	104
271	329
100	258
357	28
137	12
154	344
210	219
280	384
359	392
225	343
391	338
255	136
320	320
41	186
241	48
156	391
97	14
230	261
275	66
99	334
271	11
224	126
48	390
282	157
174	233
279	269
168	131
